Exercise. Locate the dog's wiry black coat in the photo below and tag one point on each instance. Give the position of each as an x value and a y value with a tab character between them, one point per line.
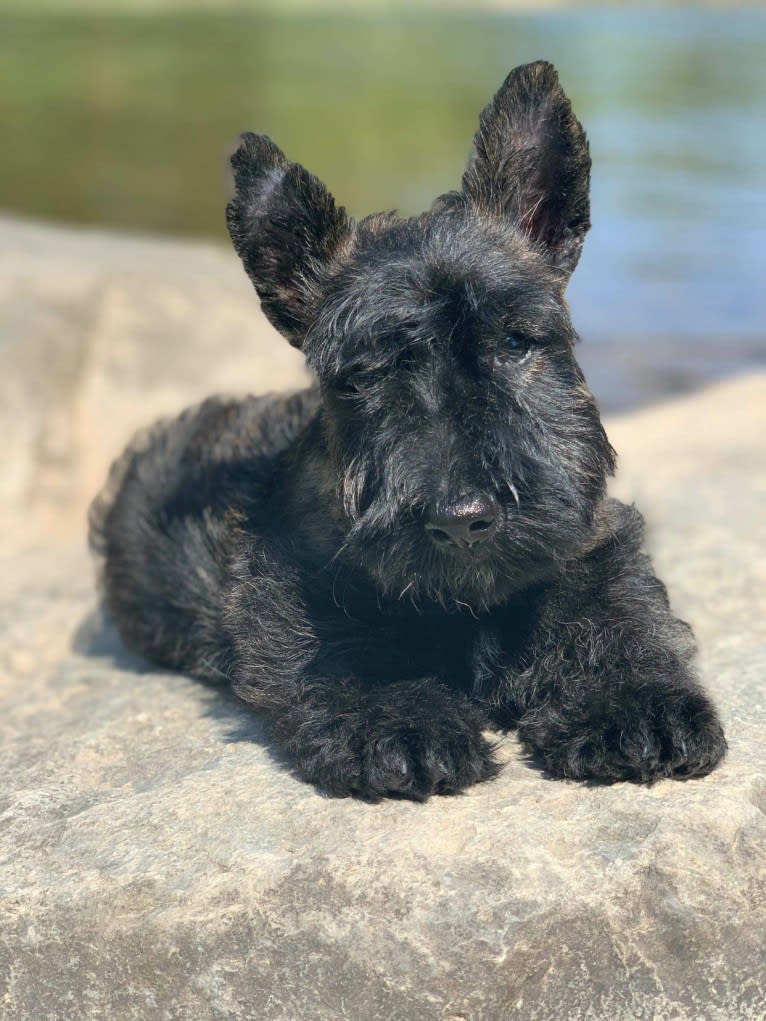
308	549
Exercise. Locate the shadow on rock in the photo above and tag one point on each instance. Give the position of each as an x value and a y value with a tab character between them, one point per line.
97	637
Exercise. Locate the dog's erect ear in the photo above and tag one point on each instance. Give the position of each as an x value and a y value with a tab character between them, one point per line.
531	164
286	229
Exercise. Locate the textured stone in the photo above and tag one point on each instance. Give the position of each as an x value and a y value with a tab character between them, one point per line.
157	863
98	336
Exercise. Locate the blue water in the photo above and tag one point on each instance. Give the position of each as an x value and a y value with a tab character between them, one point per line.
670	291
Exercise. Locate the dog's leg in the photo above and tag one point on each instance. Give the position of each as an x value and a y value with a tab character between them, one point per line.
605	687
347	735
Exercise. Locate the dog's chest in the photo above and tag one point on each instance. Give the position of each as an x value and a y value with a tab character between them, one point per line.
383	647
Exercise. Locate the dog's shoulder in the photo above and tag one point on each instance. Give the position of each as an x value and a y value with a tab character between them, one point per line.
616	526
224	428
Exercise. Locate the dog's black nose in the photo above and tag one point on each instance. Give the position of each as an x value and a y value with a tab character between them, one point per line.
464	522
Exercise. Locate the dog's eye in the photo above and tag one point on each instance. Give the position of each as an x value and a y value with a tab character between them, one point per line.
518	343
514	348
356	386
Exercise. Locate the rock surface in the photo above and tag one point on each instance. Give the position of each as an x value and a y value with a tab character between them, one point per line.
99	336
157	862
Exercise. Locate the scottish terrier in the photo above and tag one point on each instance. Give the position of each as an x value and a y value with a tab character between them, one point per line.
419	548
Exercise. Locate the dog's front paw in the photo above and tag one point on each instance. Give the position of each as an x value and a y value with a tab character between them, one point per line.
651	733
409	740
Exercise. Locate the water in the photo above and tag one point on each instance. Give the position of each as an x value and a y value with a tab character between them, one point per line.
126	121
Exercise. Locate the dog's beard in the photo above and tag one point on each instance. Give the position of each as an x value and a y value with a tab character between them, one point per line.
546	517
406	566
531	544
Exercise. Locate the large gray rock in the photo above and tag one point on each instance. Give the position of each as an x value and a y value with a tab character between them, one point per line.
159	863
98	336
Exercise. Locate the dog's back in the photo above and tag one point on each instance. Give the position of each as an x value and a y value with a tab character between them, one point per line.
167	521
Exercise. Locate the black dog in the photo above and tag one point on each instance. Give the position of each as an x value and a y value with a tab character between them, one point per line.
420	547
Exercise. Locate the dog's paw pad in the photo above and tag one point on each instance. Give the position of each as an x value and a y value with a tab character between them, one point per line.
409	740
441	757
655	734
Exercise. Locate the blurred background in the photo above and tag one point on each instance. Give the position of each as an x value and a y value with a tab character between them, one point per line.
120	114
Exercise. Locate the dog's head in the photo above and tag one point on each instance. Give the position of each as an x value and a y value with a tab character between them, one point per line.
469	452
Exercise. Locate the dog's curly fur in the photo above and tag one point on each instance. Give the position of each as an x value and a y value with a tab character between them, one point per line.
287	545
